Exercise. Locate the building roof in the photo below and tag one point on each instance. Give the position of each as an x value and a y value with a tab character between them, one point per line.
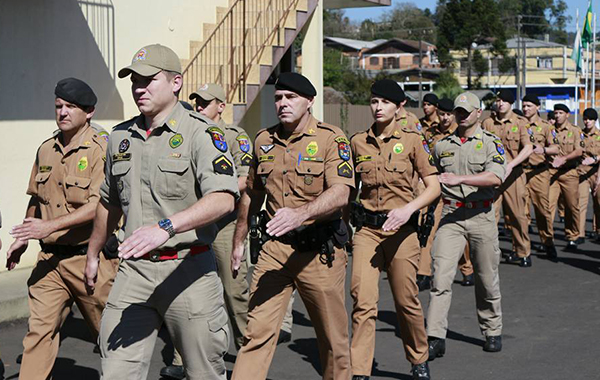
531	43
353	44
409	46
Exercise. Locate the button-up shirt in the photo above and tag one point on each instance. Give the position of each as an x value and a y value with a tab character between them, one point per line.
591	148
387	167
153	177
295	170
569	138
512	131
481	152
540	133
64	178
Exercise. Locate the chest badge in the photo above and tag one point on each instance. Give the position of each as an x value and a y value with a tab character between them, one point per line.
514	128
82	164
479	145
176	141
266	148
570	134
308	180
312	148
124	146
398	148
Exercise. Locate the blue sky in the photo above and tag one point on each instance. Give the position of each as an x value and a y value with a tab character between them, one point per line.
359	14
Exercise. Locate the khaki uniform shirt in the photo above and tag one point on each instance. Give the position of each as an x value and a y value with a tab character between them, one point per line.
482	152
512	131
433	134
569	138
410	120
296	170
591	148
152	178
427	125
66	178
387	167
540	133
241	149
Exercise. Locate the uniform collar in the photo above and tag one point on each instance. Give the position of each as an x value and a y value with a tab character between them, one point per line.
564	127
395	134
511	117
80	140
171	122
222	124
536	120
593	132
430	124
309	130
477	134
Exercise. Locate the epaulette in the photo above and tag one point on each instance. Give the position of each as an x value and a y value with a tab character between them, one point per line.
329	127
124	125
410	130
356	134
522	119
490	134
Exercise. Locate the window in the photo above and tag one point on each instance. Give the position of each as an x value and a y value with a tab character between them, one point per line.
374	61
391	63
544	62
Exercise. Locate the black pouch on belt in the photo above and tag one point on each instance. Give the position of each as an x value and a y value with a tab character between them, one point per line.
111	248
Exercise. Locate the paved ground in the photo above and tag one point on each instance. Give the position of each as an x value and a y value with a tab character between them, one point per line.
551	329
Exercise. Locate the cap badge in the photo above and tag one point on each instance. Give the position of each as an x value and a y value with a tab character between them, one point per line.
204	87
141	55
462	98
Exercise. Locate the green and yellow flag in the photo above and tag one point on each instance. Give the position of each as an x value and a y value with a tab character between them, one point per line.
587	34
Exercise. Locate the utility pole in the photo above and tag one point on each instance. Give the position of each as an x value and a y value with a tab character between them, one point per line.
524	81
420	72
518	62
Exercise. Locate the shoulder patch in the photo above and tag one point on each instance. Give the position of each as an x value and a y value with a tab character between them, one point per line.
222	165
343	147
499	146
498	159
345	170
246	159
103	135
425	145
243	142
218	138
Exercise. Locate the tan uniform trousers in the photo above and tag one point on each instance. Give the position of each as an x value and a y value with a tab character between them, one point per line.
586	184
187	296
511	196
397	253
538	184
464	265
236	290
278	271
458	226
565	183
55	284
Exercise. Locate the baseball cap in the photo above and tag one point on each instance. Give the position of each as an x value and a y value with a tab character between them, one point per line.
467	101
209	92
150	60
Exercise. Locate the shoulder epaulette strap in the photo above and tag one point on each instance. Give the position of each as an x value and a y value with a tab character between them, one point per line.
124	125
201	117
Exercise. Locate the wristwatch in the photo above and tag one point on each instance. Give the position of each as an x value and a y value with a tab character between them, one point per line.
166	225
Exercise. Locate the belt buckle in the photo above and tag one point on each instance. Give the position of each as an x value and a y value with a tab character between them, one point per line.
154	256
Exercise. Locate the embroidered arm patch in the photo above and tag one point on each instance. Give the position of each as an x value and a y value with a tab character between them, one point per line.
222	165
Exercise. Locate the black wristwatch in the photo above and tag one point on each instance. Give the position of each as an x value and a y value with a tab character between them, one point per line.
166	225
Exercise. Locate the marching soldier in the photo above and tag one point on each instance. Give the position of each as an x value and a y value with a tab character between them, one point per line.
588	171
512	131
64	189
537	172
386	157
472	163
170	174
564	178
446	126
304	169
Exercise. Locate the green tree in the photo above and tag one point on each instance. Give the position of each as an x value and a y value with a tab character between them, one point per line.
464	23
539	17
336	24
447	85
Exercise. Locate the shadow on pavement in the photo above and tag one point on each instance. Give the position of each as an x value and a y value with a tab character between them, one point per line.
66	369
309	350
376	372
463	338
300	319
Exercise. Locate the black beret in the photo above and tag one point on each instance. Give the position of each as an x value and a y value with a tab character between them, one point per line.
590	114
550	115
506	95
296	83
532	99
75	91
446	105
388	89
431	98
561	107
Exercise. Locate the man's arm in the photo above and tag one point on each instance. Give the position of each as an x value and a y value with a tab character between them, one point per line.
330	201
205	211
250	204
561	160
19	246
399	216
106	221
483	179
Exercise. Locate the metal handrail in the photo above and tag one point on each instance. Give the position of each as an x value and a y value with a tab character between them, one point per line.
246	29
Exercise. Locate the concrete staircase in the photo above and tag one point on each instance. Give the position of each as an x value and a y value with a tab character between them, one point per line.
242	49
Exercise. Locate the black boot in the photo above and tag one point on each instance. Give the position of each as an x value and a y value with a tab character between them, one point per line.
423	282
551	252
420	371
437	348
468	280
173	372
493	344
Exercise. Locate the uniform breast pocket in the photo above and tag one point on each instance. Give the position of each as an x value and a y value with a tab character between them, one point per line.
41	180
119	171
172	181
309	177
367	172
446	162
78	189
395	171
264	172
477	163
513	143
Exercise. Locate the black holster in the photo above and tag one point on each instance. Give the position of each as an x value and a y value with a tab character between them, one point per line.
427	222
257	234
111	248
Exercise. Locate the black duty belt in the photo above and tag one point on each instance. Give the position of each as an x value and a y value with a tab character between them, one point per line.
543	165
64	250
310	238
374	219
